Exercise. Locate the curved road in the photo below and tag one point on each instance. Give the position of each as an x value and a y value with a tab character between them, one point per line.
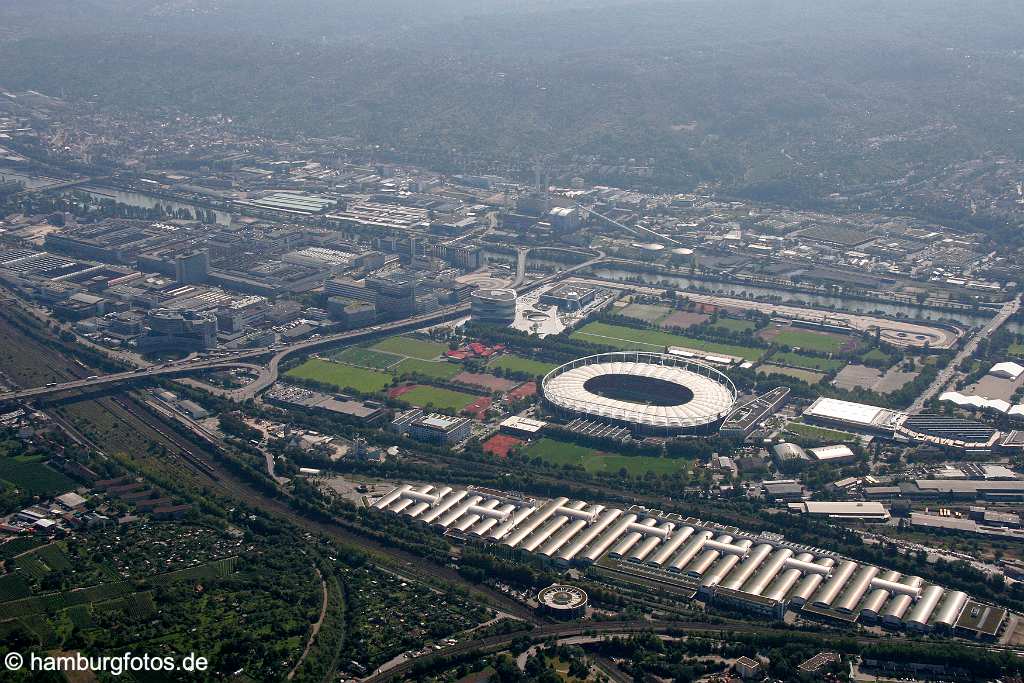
269	374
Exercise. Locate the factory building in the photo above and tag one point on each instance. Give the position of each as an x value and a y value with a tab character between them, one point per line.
855	511
763	572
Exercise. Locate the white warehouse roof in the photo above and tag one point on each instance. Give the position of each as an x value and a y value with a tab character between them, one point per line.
846	411
1007	369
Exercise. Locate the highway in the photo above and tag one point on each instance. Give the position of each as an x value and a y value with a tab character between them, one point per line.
1008	310
269	374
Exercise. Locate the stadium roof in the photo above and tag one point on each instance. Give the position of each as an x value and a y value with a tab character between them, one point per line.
713	395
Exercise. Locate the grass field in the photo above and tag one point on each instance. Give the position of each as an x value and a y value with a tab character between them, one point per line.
437	397
799	360
592	460
806	339
808	376
435	369
626	338
519	364
821	433
1016	350
367	358
646	312
734	325
33	476
408	346
341	376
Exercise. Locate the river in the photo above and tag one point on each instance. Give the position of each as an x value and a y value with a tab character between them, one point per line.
146	201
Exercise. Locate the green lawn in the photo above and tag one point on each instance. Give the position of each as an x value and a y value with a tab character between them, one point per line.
342	376
33	476
436	369
809	376
592	460
734	325
646	312
408	346
821	433
800	360
806	339
367	358
520	364
438	398
1016	350
627	338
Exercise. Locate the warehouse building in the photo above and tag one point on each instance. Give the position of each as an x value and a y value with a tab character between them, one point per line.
850	415
686	556
855	511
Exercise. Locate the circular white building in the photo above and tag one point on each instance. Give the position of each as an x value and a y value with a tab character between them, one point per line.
651	393
493	305
562	602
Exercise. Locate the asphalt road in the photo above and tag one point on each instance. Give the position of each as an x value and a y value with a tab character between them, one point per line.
1009	309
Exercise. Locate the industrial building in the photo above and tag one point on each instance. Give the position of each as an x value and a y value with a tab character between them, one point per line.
760	572
652	393
855	511
290	396
496	306
850	415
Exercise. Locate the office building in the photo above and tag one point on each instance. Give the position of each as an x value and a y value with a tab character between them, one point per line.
173	330
192	268
440	430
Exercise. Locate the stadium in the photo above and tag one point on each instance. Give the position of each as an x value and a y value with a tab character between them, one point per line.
650	393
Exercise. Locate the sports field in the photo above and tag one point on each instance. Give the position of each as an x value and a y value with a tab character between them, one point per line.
800	360
342	376
627	338
812	341
436	369
520	364
592	460
733	325
367	358
408	346
421	396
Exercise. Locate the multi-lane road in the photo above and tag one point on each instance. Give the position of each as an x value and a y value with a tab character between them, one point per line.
268	374
1008	310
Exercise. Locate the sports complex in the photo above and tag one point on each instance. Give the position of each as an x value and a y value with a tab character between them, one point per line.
650	393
